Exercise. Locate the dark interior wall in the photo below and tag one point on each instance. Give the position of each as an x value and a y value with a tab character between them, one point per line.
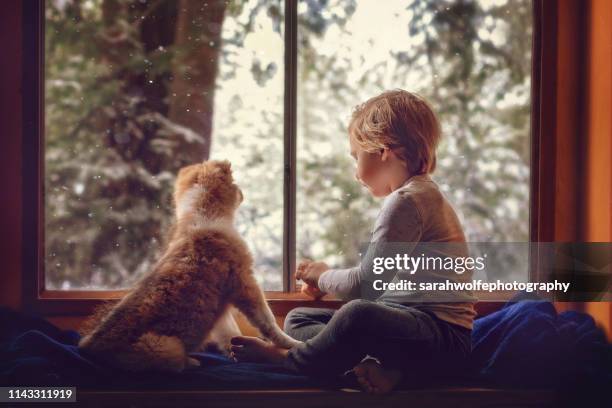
10	152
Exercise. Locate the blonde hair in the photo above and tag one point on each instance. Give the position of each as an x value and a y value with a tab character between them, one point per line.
401	121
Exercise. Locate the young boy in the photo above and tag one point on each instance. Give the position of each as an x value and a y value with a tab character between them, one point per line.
393	138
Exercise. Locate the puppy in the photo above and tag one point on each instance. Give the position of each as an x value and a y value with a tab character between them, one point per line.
183	302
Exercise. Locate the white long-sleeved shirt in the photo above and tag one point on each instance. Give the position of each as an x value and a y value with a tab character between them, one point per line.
413	216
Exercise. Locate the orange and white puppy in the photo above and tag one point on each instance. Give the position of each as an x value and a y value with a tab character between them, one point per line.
183	302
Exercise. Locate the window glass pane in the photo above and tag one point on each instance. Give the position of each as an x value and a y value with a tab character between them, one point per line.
470	59
134	90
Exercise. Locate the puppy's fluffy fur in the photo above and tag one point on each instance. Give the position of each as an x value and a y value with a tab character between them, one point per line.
183	302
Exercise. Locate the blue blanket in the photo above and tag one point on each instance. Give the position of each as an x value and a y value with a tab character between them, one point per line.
525	344
35	352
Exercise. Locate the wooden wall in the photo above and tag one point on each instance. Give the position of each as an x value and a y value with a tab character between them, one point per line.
10	153
598	126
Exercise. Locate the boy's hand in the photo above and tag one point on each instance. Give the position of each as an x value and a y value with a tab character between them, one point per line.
310	271
312	292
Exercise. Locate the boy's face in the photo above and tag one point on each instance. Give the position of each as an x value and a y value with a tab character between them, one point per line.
371	170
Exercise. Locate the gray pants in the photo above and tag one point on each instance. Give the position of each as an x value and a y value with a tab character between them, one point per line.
400	337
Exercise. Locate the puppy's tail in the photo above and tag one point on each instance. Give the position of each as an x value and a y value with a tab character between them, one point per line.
89	342
100	312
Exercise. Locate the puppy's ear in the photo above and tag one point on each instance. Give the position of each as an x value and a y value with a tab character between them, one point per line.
184	170
224	167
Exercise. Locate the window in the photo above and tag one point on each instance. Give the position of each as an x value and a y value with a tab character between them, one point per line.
133	90
471	59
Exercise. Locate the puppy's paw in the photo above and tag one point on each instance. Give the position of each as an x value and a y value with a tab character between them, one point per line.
218	348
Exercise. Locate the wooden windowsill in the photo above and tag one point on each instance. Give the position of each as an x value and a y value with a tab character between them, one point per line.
270	295
83	302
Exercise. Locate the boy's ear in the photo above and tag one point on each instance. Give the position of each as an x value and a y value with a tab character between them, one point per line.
384	153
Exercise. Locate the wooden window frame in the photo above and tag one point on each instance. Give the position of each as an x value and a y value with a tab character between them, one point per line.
82	302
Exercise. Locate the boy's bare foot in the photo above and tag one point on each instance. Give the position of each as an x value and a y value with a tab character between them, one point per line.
256	350
374	378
